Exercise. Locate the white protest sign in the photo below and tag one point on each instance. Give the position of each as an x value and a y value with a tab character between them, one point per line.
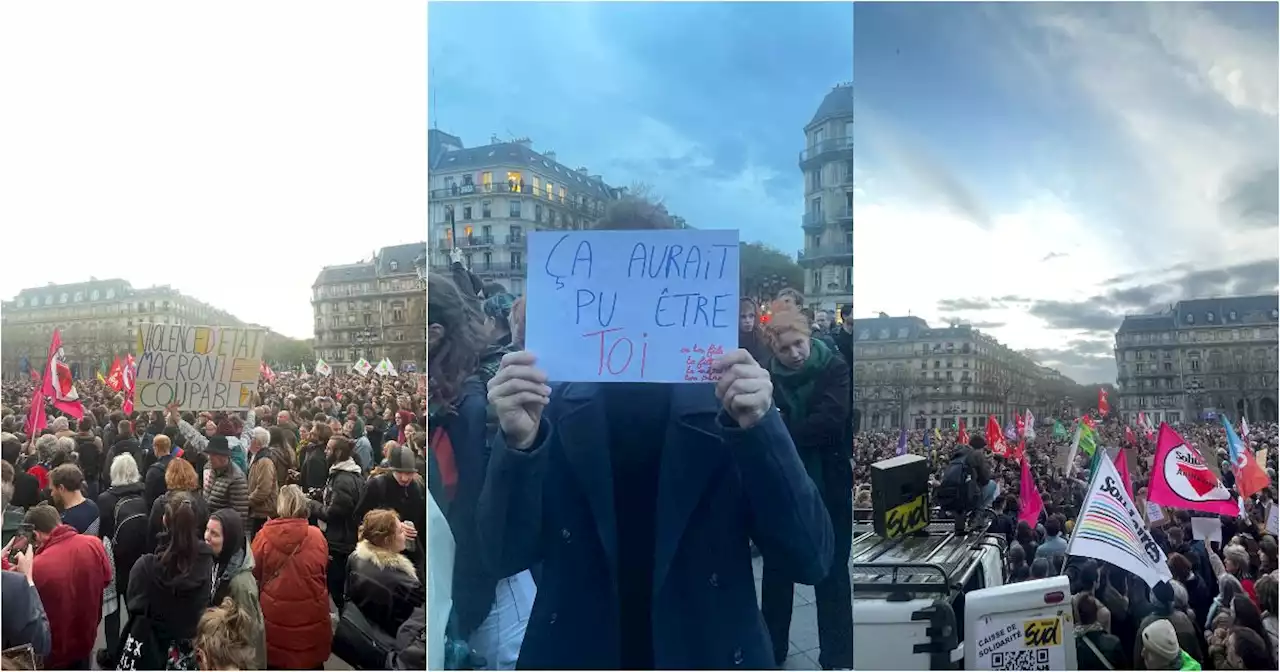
200	368
1273	519
1154	514
1206	529
631	306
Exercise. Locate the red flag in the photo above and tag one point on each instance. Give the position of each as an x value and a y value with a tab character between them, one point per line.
1020	453
266	372
1103	406
58	385
1133	440
35	376
115	377
1030	503
129	377
1180	479
962	436
995	437
37	418
1122	467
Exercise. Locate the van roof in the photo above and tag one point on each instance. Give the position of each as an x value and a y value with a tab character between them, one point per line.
935	561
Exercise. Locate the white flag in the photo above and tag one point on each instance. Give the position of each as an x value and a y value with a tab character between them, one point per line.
362	367
1109	528
323	368
1029	426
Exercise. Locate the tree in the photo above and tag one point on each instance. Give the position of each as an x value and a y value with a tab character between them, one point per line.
285	351
764	270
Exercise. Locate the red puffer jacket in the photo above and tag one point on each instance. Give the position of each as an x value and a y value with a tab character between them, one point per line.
290	561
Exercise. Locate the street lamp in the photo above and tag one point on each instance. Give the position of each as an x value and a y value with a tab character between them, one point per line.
954	411
365	337
1194	390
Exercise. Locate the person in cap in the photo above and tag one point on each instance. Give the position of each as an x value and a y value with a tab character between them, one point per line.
401	489
1160	649
228	488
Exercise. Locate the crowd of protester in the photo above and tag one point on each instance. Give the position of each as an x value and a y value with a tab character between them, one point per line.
280	537
1220	609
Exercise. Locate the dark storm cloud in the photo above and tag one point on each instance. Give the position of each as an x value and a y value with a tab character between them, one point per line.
1254	201
1075	315
1083	364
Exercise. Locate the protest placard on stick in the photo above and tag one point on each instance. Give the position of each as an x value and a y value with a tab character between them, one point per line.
200	368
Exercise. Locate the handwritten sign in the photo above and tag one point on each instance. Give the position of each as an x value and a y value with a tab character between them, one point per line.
201	368
632	306
1154	514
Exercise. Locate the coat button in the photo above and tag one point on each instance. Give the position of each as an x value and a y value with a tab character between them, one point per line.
564	533
737	656
714	580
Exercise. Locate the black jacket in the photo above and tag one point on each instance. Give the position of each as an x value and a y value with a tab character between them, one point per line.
130	446
174	603
384	586
89	456
342	495
1107	644
130	545
383	492
156	534
154	480
314	471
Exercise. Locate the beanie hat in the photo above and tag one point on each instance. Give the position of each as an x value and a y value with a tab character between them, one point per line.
1161	639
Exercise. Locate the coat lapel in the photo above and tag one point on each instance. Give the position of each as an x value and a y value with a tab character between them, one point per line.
584	439
692	453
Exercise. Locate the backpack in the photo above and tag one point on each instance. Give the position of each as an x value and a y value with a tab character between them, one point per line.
958	490
131	518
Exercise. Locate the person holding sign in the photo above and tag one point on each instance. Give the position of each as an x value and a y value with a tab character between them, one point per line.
811	384
640	500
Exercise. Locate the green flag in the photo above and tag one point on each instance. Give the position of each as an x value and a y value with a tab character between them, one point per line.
1088	440
1059	432
1097	459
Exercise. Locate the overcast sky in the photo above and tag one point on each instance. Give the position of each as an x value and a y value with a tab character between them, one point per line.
1040	170
228	149
704	102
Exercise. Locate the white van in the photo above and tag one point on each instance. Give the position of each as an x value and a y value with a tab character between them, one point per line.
909	593
1021	626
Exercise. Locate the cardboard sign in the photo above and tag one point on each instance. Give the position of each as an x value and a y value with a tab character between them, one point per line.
200	368
1154	514
1206	529
632	306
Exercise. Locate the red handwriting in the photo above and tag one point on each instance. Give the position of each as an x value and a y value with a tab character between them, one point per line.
617	352
697	363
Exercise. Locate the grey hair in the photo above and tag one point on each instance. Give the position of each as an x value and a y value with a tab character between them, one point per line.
45	446
1180	599
67	444
1237	555
124	470
261	436
60	424
1228	587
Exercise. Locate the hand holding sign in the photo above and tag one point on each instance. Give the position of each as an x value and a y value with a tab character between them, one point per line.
518	393
744	388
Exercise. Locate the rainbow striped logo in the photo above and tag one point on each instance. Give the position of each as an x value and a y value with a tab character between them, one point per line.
1105	520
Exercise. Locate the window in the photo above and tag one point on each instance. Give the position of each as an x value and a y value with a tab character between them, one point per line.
22	302
819	134
1210	317
397	315
466	211
351	318
848	129
1232	316
1191	319
551	190
484	209
815	180
562	194
486	179
63	298
79	296
516	232
537	213
537	185
395	266
551	217
515	209
517	261
515	181
111	293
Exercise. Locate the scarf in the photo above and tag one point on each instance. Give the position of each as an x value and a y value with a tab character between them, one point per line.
795	386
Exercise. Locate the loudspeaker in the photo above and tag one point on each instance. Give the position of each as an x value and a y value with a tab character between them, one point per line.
900	495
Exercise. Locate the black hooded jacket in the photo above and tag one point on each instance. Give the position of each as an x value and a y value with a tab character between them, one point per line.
174	603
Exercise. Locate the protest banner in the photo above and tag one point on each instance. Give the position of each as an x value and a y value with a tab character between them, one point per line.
1180	479
632	306
200	368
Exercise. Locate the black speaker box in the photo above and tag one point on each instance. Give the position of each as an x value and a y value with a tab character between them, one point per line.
900	495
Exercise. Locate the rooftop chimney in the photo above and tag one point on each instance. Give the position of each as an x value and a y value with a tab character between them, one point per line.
551	155
494	139
524	142
582	170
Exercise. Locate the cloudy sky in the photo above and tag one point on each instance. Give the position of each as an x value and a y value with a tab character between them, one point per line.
227	150
1040	170
704	102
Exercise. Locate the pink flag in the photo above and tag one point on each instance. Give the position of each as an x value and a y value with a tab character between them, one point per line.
127	382
1122	468
37	419
1180	479
58	385
1030	503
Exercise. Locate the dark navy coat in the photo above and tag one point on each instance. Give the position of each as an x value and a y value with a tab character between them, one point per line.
719	486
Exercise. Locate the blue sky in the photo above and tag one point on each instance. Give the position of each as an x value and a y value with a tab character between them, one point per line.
704	102
1040	170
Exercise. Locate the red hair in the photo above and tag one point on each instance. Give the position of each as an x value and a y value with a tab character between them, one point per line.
785	319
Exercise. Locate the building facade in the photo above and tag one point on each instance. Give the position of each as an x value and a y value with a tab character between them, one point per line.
97	320
1200	356
827	166
373	309
484	200
908	374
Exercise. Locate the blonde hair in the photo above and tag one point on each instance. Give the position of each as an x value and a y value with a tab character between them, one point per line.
379	527
784	319
291	503
223	638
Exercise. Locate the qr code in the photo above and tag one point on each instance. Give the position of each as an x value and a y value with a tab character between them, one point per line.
1034	659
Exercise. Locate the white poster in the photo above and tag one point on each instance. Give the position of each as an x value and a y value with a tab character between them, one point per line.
1154	514
1206	529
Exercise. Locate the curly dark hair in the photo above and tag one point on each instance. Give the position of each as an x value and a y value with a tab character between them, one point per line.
457	354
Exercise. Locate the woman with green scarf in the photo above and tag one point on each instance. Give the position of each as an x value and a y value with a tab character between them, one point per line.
811	386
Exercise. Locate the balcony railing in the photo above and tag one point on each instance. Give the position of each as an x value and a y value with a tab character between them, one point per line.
521	189
845	214
515	239
826	251
477	241
832	145
517	265
814	220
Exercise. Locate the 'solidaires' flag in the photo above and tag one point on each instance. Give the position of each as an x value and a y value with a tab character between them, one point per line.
1250	476
58	386
1030	503
1030	424
902	441
323	368
362	367
129	378
1181	480
1110	529
115	378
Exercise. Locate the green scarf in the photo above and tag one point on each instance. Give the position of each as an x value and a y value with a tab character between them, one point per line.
795	386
